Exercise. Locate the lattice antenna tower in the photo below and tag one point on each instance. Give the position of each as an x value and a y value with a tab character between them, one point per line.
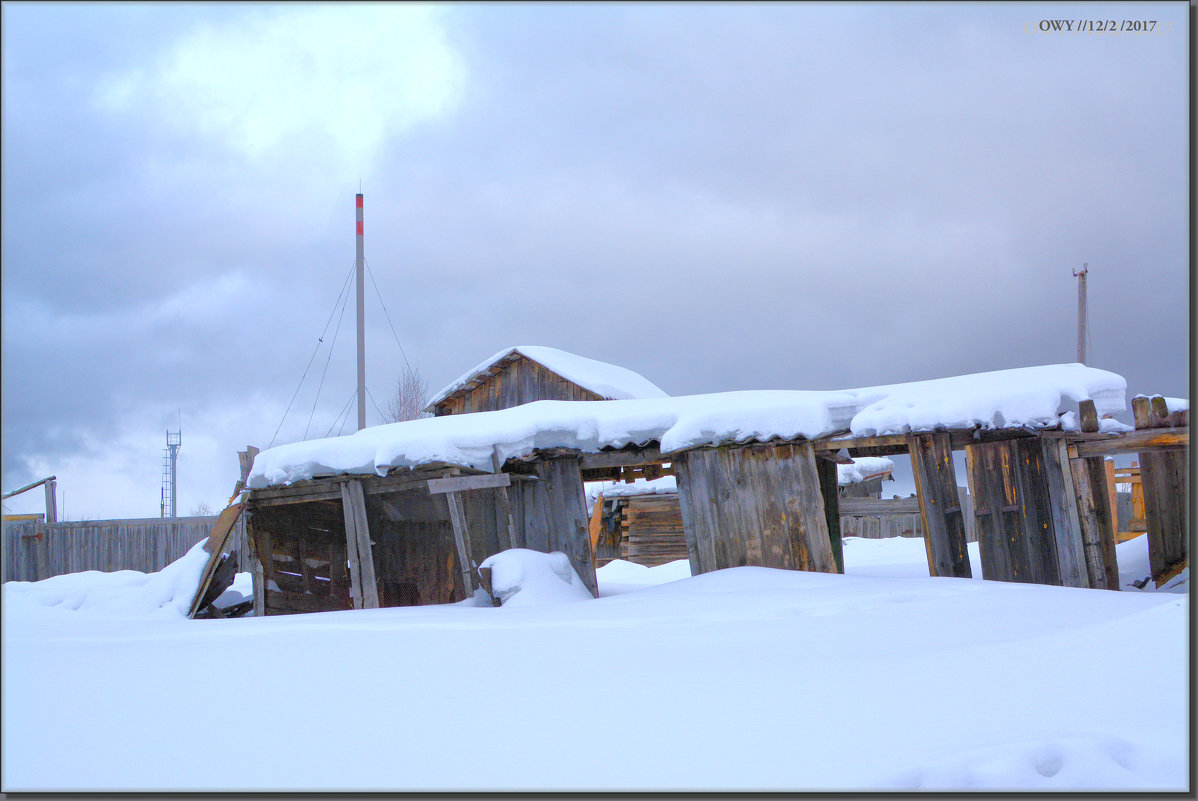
170	457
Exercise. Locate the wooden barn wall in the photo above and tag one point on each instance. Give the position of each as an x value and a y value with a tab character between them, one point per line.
754	505
551	515
518	382
653	532
145	545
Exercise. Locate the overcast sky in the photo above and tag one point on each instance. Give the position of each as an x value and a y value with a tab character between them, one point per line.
720	197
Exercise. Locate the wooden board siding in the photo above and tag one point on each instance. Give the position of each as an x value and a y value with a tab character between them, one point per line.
753	505
550	514
303	555
939	505
652	530
36	550
1027	531
513	382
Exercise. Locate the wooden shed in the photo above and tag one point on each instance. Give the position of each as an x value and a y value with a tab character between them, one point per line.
528	373
409	538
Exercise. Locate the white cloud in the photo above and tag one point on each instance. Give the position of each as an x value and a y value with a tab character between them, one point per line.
329	83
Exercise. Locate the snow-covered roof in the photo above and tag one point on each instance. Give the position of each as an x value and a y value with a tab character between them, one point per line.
605	380
1032	397
862	468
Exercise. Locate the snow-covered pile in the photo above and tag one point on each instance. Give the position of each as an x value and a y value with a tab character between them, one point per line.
520	577
1036	397
167	593
602	378
862	468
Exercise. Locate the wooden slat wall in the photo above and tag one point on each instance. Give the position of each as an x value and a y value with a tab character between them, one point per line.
754	505
551	515
146	545
515	383
652	530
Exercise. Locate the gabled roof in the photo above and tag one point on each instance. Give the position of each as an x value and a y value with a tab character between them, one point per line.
606	380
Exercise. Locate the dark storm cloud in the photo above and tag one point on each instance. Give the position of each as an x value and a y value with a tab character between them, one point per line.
718	196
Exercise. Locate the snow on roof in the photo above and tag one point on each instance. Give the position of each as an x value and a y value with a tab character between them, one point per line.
1032	397
863	468
605	380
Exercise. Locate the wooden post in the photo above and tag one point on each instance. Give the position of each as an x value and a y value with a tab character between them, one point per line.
461	541
507	525
357	541
51	503
551	515
939	505
829	488
754	505
1165	480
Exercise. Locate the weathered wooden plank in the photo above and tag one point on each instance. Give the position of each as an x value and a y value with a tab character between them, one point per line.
1140	441
1066	526
357	538
756	504
1096	516
507	525
939	505
437	486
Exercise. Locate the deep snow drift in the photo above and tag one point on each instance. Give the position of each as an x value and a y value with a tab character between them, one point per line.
741	679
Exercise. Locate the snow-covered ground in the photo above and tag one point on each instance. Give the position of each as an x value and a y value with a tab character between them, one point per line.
743	679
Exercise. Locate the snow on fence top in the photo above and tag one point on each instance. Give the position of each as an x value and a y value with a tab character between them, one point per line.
606	380
1033	397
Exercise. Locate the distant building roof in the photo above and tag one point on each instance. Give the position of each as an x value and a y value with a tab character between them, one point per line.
606	380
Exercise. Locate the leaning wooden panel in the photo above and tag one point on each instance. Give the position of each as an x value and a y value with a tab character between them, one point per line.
939	505
755	505
996	512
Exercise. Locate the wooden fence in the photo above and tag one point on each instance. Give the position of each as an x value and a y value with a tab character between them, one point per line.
35	550
877	518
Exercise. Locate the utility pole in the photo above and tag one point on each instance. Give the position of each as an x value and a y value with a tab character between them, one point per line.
360	264
1081	312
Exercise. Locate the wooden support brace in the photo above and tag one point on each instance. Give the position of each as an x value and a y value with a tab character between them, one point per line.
507	524
358	547
461	541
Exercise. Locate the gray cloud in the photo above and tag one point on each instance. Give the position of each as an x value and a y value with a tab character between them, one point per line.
718	196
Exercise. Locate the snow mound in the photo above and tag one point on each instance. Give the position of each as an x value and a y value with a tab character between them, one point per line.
520	577
122	594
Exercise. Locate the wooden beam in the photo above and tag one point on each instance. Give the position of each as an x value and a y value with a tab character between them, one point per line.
1149	440
1062	506
878	507
939	505
1088	415
357	541
627	457
461	541
438	486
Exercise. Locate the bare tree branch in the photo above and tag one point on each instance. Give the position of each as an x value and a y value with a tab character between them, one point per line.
410	398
